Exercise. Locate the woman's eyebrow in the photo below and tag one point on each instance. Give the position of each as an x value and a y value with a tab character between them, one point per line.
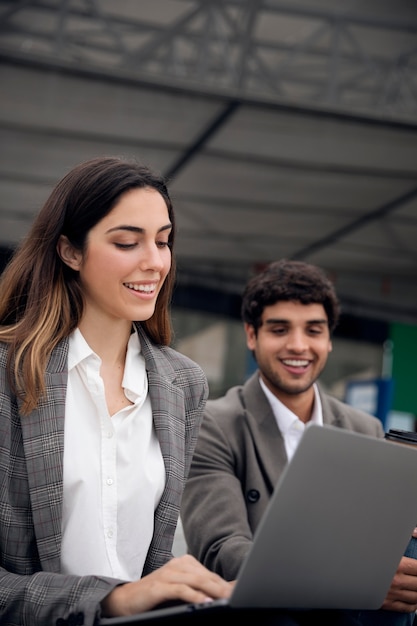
136	229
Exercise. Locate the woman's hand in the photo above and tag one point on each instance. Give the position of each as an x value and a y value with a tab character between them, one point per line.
183	578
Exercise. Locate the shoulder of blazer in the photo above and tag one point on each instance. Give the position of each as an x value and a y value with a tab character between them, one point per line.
240	400
340	413
58	361
167	362
336	407
4	349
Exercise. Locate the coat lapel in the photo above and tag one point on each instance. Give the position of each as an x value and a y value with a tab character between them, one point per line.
266	435
167	400
168	410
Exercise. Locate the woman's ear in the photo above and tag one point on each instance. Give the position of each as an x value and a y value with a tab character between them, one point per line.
68	254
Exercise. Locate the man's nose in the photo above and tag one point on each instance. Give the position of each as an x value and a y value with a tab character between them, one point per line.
297	341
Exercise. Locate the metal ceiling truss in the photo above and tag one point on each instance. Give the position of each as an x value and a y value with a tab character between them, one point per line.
324	61
339	57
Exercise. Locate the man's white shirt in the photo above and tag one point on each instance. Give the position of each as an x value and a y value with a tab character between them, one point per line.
291	427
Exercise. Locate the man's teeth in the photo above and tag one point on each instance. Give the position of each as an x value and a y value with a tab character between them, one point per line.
144	288
295	362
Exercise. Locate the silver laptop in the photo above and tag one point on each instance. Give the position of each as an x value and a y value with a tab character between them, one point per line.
334	532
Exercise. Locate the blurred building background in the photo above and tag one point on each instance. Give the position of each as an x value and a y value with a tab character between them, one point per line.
285	128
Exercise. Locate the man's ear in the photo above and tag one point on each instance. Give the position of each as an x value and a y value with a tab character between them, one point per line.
250	336
68	254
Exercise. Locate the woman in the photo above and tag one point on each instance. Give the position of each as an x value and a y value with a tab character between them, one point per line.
98	415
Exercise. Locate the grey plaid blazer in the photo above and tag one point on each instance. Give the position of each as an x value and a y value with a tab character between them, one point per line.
32	591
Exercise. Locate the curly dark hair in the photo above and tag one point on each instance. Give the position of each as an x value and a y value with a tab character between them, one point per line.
290	281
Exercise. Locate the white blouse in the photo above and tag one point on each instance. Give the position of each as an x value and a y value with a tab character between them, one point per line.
114	473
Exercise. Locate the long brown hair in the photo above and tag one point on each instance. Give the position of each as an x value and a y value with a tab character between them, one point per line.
41	300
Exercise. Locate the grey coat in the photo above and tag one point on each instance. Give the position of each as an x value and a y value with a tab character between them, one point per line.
239	457
32	591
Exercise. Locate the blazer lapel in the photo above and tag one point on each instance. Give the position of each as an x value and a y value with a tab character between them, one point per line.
167	399
266	435
168	414
168	410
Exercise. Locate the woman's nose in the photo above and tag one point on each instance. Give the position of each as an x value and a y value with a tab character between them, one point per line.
151	257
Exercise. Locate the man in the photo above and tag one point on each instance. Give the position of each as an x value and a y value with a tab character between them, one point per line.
247	436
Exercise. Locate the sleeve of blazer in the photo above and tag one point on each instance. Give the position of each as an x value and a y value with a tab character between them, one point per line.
50	598
195	387
213	511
